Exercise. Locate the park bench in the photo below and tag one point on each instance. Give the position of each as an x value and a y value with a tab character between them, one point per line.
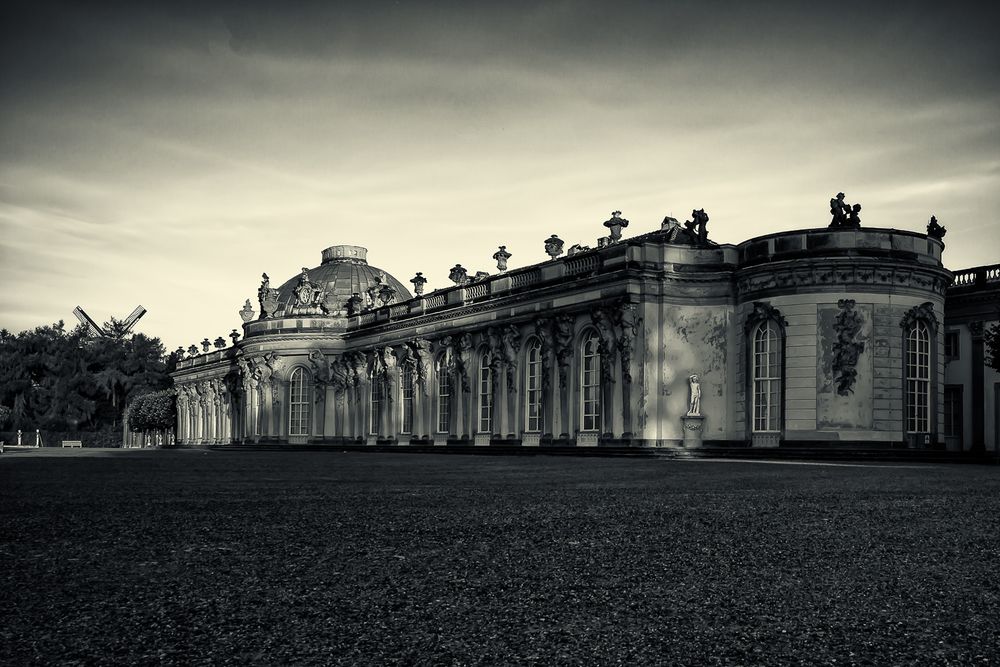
72	443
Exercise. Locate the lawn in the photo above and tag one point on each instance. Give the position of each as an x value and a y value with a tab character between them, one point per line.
362	558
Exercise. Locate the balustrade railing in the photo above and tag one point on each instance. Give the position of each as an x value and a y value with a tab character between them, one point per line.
435	301
476	291
979	275
525	278
582	264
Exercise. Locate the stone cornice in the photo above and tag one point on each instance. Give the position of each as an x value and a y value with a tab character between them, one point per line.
840	274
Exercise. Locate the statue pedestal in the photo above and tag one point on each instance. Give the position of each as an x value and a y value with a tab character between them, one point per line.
693	430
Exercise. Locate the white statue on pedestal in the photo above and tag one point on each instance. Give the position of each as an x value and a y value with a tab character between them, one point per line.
694	407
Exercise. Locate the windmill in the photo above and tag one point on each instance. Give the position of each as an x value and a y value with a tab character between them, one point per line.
119	332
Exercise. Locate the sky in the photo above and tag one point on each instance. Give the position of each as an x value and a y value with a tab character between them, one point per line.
166	156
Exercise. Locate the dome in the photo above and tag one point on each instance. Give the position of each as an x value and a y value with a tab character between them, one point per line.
344	271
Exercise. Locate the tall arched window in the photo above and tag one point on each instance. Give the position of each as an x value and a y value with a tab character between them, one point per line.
766	377
376	397
918	378
298	403
406	393
444	394
533	387
485	392
590	384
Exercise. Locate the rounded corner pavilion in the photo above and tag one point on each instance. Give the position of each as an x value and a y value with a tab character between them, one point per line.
663	339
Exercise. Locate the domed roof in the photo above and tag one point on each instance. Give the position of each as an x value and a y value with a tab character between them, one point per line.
343	272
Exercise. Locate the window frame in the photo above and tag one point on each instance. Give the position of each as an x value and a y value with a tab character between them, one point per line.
299	425
533	387
484	394
917	381
591	410
772	419
443	413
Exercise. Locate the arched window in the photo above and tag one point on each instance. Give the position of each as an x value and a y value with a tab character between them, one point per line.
533	387
590	384
298	403
376	397
406	392
918	378
485	392
444	394
766	388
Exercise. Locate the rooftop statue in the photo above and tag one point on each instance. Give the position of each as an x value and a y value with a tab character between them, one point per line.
267	296
935	230
501	256
843	215
616	224
697	226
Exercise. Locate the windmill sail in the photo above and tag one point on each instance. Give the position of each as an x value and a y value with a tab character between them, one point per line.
133	318
85	320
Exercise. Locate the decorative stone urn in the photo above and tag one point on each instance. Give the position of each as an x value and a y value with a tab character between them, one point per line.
418	283
553	246
248	312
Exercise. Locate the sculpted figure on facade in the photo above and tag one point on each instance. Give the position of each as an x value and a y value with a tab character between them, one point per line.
563	345
320	368
425	363
339	374
627	321
409	362
543	329
511	345
461	356
495	345
847	349
605	340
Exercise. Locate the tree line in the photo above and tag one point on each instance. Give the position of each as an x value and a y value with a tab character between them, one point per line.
56	379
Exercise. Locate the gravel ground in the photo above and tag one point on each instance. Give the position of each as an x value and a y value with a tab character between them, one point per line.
184	557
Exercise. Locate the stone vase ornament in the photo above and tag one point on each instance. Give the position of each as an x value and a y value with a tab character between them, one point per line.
554	246
418	283
247	312
458	275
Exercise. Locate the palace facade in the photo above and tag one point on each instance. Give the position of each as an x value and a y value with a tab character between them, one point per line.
666	339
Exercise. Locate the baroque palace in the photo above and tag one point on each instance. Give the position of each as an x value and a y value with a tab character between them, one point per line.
665	339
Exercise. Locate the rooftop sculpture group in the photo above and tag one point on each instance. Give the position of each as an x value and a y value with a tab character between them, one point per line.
844	215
